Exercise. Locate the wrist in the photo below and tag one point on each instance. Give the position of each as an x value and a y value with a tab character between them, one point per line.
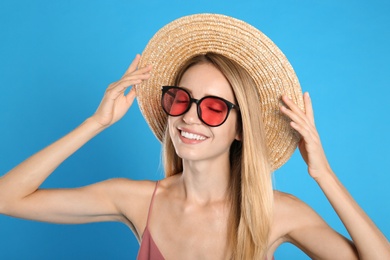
326	177
93	124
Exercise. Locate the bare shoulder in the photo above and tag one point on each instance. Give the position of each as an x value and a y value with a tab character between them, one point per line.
289	205
291	215
131	187
132	197
132	190
297	223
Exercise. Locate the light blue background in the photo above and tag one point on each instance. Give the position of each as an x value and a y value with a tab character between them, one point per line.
57	57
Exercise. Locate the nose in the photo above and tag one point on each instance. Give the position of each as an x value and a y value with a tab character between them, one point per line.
191	116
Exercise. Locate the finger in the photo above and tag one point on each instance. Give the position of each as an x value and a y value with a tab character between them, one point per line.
308	107
288	101
130	80
145	75
131	96
302	124
120	87
143	71
124	84
133	65
293	111
299	119
304	130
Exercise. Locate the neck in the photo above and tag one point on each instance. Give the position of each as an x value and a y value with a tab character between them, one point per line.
206	181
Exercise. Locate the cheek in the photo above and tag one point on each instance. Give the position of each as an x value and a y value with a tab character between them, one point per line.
171	125
229	129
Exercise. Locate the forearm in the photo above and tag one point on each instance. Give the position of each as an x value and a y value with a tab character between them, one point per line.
25	178
369	241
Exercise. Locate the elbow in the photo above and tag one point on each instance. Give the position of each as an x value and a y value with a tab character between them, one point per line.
5	206
2	207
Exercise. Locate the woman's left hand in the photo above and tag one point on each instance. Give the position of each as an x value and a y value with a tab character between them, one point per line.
310	145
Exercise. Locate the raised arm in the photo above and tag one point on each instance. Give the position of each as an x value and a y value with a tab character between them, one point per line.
20	195
370	243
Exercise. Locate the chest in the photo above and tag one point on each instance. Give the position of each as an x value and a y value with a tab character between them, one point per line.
190	232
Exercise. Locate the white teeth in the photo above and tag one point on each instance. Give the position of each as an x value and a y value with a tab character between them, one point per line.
192	136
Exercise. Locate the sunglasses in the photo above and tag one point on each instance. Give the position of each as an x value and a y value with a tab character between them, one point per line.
212	111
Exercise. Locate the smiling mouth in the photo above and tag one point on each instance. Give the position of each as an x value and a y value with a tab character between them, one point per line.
192	136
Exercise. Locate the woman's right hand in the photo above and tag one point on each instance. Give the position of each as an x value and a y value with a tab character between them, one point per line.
115	103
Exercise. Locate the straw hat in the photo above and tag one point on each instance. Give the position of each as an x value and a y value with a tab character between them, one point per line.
198	34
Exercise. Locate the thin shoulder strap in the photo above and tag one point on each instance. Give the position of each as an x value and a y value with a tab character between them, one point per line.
151	204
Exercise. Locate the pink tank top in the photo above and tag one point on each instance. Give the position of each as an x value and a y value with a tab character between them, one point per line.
148	249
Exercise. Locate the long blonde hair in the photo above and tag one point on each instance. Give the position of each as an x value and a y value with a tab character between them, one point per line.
250	187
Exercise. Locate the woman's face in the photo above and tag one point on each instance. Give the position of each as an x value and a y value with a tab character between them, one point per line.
192	139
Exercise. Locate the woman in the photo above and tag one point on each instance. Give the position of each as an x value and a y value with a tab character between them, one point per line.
217	200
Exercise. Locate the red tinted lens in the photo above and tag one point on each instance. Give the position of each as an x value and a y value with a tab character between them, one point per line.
175	101
213	111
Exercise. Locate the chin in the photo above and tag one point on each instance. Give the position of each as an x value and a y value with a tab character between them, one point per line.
190	154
